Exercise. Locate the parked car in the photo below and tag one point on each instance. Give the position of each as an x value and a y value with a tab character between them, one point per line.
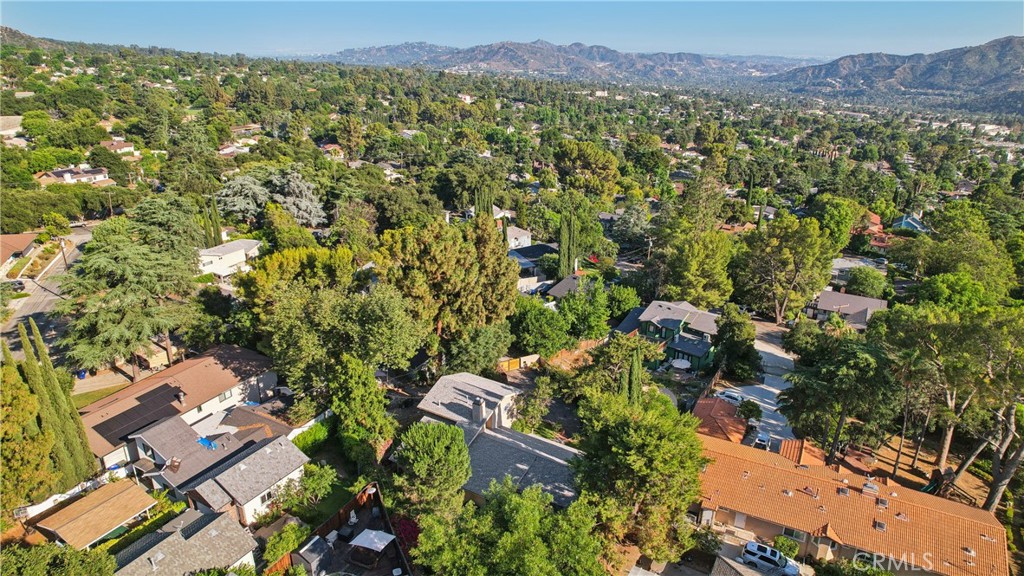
763	441
16	285
768	559
731	397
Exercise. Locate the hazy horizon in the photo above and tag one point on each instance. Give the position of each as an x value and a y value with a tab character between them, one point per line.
821	30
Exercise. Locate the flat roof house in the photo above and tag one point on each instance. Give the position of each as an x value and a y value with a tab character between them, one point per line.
222	377
484	410
228	258
187	544
855	310
100	512
245	483
831	514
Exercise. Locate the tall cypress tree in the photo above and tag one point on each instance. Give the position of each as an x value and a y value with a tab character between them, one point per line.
27	473
49	419
72	432
635	378
567	245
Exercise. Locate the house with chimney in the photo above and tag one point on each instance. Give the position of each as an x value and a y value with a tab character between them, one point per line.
484	410
682	330
832	513
196	390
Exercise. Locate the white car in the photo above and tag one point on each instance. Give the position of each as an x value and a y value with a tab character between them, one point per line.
731	397
763	441
768	559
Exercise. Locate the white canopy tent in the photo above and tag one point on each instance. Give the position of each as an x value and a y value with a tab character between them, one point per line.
373	540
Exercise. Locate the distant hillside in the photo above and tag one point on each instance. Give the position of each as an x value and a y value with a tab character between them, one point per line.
991	68
12	37
575	61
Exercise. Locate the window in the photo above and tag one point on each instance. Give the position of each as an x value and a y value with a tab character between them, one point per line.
794	534
199	409
147	450
224	395
266	497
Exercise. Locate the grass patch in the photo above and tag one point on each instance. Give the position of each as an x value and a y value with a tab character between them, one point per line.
86	398
18	266
19	295
207	278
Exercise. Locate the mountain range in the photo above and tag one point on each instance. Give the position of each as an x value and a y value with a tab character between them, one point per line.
575	61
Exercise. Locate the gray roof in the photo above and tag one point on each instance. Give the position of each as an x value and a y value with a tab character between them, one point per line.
566	286
517	232
528	459
856	309
452	396
691	345
243	245
631	322
249	473
188	543
535	251
672	314
172	438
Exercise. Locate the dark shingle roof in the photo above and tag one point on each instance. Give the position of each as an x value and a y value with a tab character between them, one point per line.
188	543
251	472
528	459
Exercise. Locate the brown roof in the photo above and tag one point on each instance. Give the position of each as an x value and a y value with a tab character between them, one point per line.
98	513
109	421
11	244
959	540
718	418
802	452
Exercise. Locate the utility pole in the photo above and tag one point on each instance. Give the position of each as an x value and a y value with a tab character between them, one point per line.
110	202
62	253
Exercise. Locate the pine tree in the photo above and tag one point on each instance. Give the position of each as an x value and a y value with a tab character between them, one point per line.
72	433
27	471
49	419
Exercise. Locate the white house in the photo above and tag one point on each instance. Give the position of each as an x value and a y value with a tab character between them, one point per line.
190	543
228	258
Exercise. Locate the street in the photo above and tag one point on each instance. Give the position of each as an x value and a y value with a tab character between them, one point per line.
43	296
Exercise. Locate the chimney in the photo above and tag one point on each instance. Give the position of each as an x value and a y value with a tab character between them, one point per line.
478	409
180	395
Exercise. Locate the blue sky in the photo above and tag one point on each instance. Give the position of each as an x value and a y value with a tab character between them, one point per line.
803	28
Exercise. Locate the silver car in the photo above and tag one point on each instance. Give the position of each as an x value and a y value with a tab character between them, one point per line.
768	559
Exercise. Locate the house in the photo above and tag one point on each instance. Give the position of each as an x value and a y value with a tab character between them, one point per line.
684	331
466	98
119	146
222	377
566	286
333	151
246	129
754	494
10	126
228	258
245	483
769	212
518	237
855	310
88	519
841	268
910	222
188	544
484	410
14	246
528	257
81	174
719	419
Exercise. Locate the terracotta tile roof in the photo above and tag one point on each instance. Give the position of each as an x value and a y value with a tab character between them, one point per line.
109	421
718	418
98	513
802	452
959	540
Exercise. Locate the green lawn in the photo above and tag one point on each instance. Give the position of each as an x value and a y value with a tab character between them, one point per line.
86	398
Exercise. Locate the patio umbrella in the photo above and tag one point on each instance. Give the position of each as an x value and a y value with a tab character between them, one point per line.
373	540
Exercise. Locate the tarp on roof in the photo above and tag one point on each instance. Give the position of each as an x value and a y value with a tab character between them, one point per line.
373	539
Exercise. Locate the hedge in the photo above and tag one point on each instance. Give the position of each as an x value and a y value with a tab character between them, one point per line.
312	440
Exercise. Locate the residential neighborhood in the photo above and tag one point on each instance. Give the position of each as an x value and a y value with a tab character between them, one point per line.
511	309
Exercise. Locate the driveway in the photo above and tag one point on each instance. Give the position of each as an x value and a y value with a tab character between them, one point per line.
776	363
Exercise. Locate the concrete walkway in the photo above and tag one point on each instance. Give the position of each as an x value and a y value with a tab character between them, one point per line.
776	363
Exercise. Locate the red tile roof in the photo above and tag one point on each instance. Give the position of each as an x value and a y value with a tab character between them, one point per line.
718	418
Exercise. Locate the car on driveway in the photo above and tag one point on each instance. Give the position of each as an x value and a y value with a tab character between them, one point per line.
16	285
763	441
768	559
731	397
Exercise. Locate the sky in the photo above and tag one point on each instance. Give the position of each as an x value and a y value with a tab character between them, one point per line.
823	29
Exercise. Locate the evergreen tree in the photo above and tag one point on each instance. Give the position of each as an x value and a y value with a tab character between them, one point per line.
568	245
49	418
27	474
72	432
636	381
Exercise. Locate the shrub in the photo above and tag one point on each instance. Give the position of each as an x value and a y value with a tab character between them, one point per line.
787	546
312	440
283	542
707	541
749	410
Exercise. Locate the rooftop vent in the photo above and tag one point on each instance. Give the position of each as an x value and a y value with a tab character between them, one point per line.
821	508
813	493
987	538
892	494
881	503
787	492
174	464
969	551
155	559
870	488
902	516
746	474
844	491
969	563
241	466
879	525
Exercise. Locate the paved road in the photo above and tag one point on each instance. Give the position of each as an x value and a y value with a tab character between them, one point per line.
777	363
44	295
